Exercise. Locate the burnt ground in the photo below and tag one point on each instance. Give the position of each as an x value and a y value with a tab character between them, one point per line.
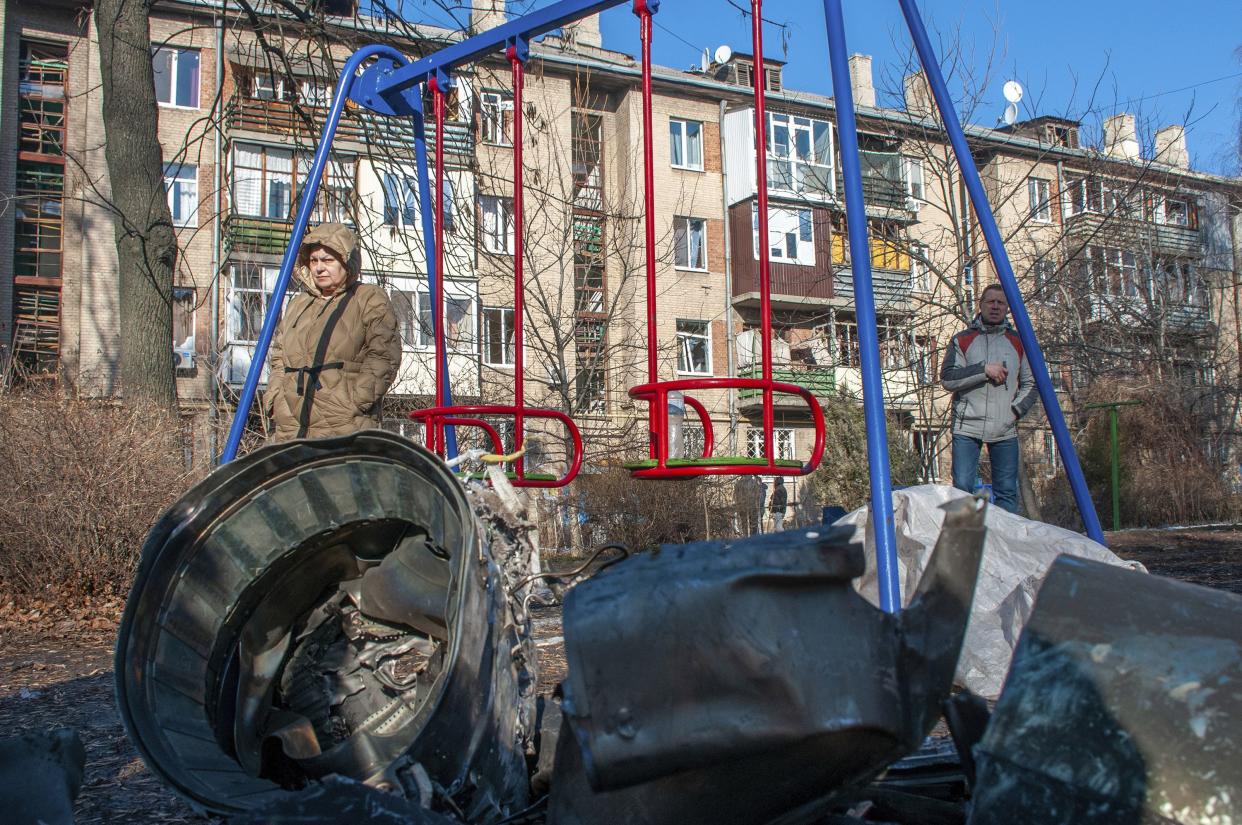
56	671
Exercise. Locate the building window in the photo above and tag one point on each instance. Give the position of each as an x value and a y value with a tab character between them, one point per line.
686	144
1115	272
496	123
889	248
314	93
920	271
690	243
266	86
800	155
1050	454
1037	194
782	441
184	304
497	329
694	347
1176	212
497	224
1043	272
252	286
791	236
176	77
181	184
413	311
1098	196
400	198
263	184
912	171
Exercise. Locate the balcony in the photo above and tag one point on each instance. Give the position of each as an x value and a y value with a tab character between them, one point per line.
1189	319
889	288
278	118
826	382
256	236
792	286
1136	235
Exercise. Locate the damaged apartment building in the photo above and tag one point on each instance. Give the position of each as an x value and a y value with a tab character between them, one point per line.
1103	240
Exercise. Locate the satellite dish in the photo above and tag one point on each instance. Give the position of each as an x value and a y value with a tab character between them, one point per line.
1013	91
1011	114
723	54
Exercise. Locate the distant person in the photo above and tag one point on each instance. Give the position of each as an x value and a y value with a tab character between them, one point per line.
986	370
336	349
780	501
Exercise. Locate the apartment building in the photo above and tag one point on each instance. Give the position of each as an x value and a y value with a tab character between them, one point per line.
1105	236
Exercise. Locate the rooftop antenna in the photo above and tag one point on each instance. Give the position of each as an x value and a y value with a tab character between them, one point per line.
1013	93
704	62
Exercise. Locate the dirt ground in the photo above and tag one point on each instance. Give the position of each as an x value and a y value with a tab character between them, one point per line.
56	671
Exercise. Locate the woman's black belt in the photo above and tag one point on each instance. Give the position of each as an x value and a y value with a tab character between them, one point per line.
313	372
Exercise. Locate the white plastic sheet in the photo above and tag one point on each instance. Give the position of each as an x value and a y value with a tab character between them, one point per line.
1016	555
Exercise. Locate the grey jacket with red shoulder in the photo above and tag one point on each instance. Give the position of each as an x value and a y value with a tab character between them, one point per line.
982	408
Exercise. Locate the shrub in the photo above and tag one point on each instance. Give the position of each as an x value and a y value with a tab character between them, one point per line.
842	477
85	480
1166	473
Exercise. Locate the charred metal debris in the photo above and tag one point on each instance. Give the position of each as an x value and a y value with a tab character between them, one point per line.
338	630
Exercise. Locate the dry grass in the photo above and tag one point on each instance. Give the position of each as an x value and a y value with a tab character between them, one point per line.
85	481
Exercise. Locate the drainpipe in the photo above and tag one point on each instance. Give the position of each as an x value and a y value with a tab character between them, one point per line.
213	335
728	296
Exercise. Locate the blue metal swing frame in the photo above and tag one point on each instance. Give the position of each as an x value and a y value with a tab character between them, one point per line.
391	85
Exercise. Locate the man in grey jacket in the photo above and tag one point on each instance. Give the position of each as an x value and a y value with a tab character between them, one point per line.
986	369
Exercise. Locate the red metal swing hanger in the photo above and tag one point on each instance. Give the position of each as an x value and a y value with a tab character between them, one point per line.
442	415
655	392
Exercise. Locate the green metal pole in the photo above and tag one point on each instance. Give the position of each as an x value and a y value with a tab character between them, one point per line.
1112	428
1115	449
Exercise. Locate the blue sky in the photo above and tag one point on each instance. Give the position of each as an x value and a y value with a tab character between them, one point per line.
1084	58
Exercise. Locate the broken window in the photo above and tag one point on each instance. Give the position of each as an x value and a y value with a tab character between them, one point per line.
694	347
690	243
496	120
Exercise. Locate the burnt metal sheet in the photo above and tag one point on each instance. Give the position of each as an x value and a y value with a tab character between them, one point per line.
1123	704
744	681
40	775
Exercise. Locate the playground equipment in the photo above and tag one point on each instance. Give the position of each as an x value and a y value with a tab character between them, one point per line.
391	85
438	421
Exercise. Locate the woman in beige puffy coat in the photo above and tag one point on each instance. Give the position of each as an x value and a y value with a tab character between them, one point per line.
336	350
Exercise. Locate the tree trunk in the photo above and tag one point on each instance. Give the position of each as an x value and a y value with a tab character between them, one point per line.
146	244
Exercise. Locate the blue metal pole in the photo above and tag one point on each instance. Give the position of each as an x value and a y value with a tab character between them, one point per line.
429	218
305	204
864	305
527	27
1000	259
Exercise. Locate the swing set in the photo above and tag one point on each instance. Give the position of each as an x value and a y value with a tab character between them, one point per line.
383	81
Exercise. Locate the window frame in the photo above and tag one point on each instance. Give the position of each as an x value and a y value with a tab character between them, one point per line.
1039	204
783	440
688	234
508	347
489	238
174	70
492	107
908	164
235	315
685	340
338	168
782	215
791	124
173	185
684	140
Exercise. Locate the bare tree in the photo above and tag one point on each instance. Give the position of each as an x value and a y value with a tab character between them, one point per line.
145	241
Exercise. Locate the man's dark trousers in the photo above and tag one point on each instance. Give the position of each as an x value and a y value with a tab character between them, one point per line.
1004	458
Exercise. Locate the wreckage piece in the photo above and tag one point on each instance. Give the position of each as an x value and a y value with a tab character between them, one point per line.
1123	704
40	776
322	608
742	682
